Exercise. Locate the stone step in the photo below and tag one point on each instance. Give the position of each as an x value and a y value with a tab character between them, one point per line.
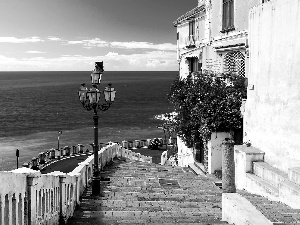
148	221
294	175
195	169
269	173
106	195
114	214
180	184
290	194
240	211
274	211
257	185
155	204
159	189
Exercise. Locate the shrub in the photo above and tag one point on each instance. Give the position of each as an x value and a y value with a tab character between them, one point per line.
206	102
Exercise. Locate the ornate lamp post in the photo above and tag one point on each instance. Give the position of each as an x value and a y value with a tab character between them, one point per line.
90	100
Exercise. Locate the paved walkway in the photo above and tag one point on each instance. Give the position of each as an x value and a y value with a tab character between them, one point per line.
142	193
66	165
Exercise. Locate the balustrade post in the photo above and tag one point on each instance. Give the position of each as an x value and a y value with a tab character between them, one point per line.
77	188
32	181
62	200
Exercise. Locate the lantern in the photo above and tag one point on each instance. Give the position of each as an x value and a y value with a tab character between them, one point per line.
109	93
82	92
96	77
97	73
93	95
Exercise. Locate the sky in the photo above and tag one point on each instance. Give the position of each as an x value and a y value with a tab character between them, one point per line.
70	35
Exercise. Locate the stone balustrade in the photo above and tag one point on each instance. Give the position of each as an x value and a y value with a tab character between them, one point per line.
29	197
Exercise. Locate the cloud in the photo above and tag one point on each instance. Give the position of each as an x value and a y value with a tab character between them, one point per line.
152	60
20	40
34	52
148	61
144	45
111	54
96	42
51	38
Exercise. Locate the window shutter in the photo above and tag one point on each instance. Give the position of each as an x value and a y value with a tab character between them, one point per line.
228	14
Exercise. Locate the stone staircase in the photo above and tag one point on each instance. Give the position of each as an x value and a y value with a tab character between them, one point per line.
144	193
275	212
274	184
256	176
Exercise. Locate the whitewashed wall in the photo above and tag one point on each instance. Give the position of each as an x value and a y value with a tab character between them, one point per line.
215	151
272	121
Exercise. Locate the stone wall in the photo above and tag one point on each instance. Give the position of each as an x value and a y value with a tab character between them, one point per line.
212	153
272	121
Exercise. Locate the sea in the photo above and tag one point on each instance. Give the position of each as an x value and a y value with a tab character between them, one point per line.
35	106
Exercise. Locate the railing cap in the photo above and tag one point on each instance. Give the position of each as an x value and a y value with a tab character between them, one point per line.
25	170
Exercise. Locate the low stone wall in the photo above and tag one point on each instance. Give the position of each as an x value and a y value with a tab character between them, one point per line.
29	197
52	155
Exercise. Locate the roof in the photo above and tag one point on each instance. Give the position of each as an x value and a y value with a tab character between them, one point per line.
190	14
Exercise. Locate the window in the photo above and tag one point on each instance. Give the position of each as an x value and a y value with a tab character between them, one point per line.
193	65
192	28
228	16
190	41
235	63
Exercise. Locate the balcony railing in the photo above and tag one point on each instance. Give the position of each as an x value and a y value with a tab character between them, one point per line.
190	41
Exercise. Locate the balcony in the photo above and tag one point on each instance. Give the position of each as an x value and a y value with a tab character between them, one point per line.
190	41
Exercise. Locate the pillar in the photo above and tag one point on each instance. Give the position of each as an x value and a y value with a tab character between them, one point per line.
228	167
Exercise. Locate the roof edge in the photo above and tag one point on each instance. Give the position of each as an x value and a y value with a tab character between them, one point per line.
189	14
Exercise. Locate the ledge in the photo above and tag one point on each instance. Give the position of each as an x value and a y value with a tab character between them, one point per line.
238	210
248	150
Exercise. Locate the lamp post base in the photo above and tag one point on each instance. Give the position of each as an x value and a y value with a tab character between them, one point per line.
96	185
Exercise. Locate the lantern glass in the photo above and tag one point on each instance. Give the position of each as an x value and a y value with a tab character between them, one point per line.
82	93
109	94
96	77
93	95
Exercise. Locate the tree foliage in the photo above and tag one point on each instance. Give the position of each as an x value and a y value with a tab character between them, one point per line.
206	102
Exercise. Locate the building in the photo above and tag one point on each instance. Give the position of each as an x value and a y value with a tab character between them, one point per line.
257	39
212	36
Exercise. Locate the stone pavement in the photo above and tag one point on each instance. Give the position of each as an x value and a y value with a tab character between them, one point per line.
141	193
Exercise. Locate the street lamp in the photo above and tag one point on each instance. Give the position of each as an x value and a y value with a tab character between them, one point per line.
90	99
59	133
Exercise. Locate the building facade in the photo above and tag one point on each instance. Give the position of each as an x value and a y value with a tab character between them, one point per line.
212	36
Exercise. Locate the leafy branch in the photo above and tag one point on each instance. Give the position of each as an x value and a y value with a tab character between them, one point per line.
206	102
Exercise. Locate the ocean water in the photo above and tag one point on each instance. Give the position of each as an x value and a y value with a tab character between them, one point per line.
34	106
